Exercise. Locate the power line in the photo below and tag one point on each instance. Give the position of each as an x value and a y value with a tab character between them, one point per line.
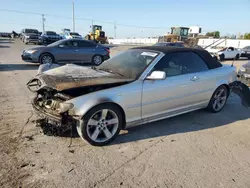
17	11
78	18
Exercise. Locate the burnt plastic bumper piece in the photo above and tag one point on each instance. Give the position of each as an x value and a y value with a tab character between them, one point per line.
243	91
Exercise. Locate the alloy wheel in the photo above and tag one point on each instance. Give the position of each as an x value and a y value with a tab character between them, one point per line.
220	99
47	59
102	125
97	60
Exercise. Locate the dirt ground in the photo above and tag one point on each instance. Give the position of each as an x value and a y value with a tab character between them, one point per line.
198	149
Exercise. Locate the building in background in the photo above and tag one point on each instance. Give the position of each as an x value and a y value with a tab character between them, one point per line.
194	31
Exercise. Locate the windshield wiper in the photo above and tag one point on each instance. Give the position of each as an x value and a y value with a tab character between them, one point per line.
110	71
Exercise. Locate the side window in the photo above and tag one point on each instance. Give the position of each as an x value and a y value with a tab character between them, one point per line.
68	44
85	44
193	63
75	44
175	64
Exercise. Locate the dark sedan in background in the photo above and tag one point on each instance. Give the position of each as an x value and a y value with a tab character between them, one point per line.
245	51
68	51
48	37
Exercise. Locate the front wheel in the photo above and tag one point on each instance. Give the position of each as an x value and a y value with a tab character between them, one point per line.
101	124
46	59
218	99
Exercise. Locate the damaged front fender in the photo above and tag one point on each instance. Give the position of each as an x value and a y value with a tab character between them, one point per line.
242	91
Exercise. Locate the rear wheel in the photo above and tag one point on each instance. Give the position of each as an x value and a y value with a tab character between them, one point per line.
219	99
101	124
46	59
97	60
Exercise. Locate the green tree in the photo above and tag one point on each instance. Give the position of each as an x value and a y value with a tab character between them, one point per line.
215	34
247	36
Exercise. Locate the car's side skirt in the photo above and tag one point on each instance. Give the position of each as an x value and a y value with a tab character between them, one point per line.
166	115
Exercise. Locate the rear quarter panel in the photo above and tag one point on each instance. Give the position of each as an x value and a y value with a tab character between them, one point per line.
224	75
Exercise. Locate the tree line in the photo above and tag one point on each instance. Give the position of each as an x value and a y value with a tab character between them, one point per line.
216	34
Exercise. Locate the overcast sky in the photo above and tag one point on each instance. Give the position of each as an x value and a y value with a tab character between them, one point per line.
134	18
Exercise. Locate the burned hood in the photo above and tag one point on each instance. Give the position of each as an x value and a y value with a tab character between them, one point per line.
73	76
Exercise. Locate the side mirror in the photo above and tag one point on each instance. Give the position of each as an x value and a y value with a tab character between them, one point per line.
61	46
157	75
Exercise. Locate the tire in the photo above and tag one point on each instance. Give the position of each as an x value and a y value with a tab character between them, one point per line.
97	59
104	133
222	57
216	98
237	57
46	58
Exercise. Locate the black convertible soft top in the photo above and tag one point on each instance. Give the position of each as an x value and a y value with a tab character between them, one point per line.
205	55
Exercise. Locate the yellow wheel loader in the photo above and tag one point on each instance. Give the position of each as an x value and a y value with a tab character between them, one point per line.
97	35
180	34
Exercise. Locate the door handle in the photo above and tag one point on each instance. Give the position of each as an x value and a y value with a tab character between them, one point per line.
76	50
194	78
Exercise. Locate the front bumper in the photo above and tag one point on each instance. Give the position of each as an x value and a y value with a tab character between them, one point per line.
62	120
244	78
27	57
29	40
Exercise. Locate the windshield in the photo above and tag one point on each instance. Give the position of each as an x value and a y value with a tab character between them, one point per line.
74	33
130	64
31	31
50	33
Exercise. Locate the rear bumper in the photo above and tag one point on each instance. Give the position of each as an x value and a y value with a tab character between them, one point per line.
106	57
48	40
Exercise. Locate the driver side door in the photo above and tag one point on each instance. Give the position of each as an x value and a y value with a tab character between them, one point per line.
231	53
68	52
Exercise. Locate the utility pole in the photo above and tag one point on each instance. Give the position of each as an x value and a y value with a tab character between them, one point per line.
115	30
43	20
73	12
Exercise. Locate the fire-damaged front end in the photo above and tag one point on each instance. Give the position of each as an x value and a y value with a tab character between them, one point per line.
56	89
244	73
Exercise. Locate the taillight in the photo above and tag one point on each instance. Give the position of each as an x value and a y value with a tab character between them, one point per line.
108	50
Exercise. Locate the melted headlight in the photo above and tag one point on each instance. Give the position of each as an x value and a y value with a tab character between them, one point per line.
64	107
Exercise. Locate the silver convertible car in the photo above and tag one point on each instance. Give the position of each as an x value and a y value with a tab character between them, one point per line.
137	86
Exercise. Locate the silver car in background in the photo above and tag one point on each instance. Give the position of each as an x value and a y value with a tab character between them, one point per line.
68	51
140	85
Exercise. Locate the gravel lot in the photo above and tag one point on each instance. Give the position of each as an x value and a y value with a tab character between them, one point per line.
198	149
